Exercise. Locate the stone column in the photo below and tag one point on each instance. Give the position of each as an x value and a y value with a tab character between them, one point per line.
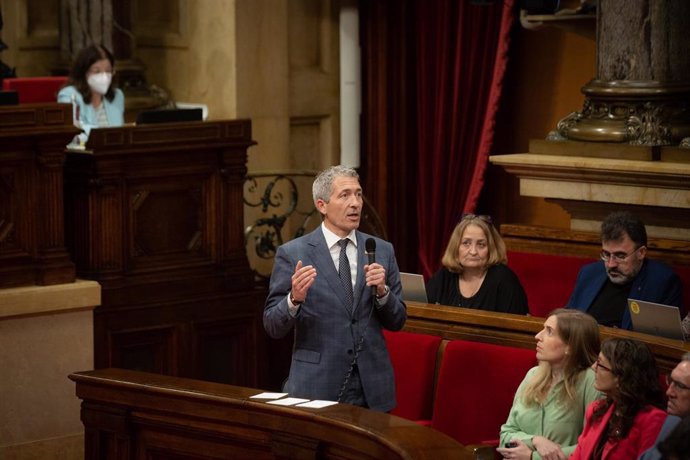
641	94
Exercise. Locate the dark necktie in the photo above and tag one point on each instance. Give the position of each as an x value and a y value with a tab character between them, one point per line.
344	272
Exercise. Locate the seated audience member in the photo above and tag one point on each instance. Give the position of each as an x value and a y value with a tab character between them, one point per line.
678	395
474	272
628	420
548	412
677	445
90	88
603	288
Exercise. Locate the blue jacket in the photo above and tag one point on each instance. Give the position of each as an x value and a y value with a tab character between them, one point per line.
114	109
656	282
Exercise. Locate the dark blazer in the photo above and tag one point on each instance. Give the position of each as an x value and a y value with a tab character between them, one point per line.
326	331
641	437
656	282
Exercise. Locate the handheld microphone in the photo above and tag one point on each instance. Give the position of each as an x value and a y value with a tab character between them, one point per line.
370	250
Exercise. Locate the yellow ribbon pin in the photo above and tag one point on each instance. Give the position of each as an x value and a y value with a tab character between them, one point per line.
634	307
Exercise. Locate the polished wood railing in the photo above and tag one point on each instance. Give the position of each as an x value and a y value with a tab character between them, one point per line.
517	330
130	414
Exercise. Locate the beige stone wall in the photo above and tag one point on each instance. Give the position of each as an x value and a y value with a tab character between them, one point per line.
32	31
274	61
190	52
46	333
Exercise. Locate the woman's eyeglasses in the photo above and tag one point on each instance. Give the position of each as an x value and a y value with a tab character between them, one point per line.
598	365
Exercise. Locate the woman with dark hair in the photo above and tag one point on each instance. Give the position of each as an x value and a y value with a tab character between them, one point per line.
91	91
474	272
627	422
548	411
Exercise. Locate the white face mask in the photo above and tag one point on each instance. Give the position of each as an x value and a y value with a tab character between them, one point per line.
100	82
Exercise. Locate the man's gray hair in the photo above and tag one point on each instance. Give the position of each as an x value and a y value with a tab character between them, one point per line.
323	184
686	357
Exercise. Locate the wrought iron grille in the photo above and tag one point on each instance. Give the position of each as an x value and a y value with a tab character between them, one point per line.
278	207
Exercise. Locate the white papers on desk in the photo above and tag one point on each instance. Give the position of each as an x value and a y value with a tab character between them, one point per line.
287	401
297	402
267	395
317	404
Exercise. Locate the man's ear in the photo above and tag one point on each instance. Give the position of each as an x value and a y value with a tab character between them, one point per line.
642	252
321	206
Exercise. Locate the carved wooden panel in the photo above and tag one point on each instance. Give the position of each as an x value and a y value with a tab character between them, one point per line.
155	215
167	224
151	349
38	24
224	350
32	242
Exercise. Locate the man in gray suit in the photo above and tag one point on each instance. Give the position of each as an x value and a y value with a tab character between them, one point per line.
324	288
678	406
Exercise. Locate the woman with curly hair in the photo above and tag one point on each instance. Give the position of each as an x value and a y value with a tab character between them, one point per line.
627	422
548	411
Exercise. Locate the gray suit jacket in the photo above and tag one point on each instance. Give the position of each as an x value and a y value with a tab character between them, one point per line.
326	331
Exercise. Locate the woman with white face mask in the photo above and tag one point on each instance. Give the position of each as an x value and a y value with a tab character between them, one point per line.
97	103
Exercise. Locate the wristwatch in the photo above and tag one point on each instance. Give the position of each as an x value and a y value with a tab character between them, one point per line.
294	301
386	290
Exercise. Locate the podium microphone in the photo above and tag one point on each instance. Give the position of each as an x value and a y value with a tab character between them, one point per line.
370	250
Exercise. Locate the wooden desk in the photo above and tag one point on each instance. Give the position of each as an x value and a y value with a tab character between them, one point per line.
133	415
155	214
32	155
517	330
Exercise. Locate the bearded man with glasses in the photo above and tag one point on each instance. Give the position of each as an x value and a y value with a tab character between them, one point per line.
603	288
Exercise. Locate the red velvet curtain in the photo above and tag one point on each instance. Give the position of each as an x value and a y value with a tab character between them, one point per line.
433	72
461	60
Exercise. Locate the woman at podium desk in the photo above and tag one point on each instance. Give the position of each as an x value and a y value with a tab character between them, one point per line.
474	272
95	100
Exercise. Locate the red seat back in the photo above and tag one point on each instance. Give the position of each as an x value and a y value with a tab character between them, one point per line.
548	279
475	389
414	365
35	89
684	275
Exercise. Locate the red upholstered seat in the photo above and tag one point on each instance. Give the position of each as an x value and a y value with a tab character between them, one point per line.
414	365
35	89
475	389
548	279
684	274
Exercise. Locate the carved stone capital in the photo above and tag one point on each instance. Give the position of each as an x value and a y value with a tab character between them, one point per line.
636	112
